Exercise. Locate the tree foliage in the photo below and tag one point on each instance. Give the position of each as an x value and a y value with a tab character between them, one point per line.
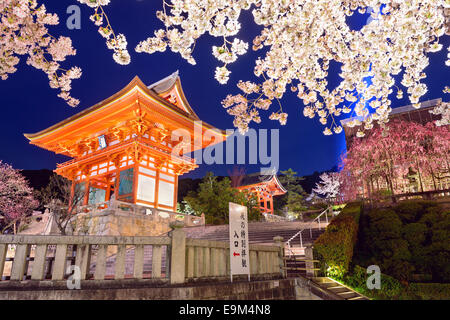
24	32
410	238
16	197
329	185
213	196
301	40
293	200
61	200
184	208
408	152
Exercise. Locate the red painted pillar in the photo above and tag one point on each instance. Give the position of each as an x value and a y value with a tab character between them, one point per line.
271	204
265	201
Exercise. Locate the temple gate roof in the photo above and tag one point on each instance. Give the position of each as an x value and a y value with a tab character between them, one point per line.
161	106
270	182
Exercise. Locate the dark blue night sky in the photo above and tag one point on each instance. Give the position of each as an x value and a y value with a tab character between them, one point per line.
29	105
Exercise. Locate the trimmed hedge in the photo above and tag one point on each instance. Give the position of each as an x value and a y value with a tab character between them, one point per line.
392	289
409	241
334	248
429	291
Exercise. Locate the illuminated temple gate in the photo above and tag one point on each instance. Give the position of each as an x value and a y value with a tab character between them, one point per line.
122	147
265	187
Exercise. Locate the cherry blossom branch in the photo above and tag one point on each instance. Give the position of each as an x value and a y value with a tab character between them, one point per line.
301	38
23	31
116	43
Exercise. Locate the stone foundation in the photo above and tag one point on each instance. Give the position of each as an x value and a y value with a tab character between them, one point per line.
116	222
279	289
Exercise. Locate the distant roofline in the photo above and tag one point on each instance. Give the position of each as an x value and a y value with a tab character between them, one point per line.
423	105
267	178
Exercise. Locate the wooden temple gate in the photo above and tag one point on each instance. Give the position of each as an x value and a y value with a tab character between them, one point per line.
129	146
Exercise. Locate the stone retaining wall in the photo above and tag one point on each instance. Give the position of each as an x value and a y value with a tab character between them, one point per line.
280	289
121	223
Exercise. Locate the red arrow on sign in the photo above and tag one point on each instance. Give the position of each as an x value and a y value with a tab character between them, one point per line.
236	254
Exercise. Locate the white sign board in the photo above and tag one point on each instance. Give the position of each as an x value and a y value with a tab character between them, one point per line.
239	249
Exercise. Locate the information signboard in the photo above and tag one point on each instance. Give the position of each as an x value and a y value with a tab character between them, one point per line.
102	141
239	248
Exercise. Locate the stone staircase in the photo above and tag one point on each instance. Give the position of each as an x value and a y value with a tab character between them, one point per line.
259	232
341	291
296	266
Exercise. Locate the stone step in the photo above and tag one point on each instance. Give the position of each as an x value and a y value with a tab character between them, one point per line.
348	294
358	298
337	288
296	262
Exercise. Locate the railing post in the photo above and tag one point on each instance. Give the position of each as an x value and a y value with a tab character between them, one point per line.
83	260
156	261
100	263
279	243
3	251
328	211
138	261
59	267
20	261
40	254
301	239
309	256
120	261
178	253
202	219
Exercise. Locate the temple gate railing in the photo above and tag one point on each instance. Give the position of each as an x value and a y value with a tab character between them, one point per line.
170	259
121	207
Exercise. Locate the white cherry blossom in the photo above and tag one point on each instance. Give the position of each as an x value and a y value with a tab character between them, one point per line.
23	32
299	39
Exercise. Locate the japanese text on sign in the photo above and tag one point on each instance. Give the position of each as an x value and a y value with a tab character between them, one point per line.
239	248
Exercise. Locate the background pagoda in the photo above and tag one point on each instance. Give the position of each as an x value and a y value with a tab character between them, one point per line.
265	187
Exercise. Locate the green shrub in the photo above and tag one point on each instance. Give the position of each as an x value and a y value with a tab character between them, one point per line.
390	287
429	291
334	248
409	241
385	245
410	238
415	234
338	207
409	211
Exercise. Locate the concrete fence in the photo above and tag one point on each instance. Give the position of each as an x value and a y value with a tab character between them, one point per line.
173	259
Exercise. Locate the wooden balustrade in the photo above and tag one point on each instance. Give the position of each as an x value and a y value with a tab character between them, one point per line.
173	259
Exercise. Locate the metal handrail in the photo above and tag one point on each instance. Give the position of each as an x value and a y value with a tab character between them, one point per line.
299	234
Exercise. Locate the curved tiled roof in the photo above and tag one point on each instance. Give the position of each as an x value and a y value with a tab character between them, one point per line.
153	90
256	178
